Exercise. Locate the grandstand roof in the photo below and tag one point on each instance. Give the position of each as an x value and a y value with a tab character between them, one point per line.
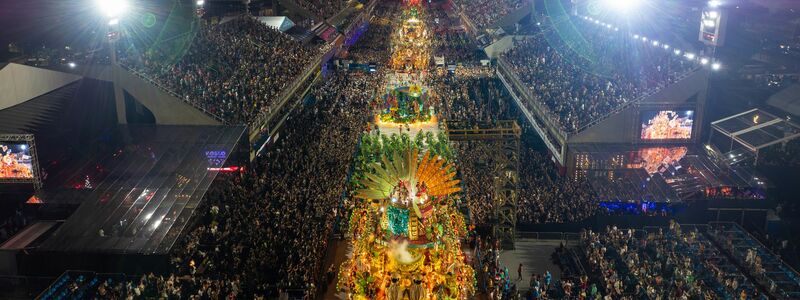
148	195
28	116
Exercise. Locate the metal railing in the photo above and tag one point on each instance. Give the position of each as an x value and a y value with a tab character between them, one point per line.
552	118
264	117
549	117
542	130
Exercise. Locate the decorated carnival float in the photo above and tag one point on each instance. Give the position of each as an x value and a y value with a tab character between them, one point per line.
406	104
406	232
411	46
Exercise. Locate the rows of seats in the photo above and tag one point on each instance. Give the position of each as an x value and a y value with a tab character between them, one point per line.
759	261
323	8
484	13
669	263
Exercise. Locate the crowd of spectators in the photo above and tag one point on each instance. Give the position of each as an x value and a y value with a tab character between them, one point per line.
377	51
234	70
323	9
452	42
546	197
484	13
582	75
782	155
764	266
475	97
265	231
277	231
661	264
86	285
455	47
472	95
374	46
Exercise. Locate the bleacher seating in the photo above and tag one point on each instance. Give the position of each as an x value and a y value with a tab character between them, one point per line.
584	72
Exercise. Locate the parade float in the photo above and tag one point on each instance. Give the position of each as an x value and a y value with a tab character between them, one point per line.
406	104
405	99
410	45
406	233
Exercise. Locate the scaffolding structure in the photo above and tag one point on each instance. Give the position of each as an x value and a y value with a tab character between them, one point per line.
506	171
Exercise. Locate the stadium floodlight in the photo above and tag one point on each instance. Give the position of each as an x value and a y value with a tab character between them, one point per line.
704	61
72	65
636	36
666	47
113	21
677	51
716	66
644	38
655	43
112	8
622	6
201	2
714	3
690	56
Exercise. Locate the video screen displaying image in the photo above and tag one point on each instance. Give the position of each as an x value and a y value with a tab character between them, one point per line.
16	161
667	125
657	159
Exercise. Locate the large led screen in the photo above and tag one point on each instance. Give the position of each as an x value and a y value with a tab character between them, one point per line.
16	161
667	125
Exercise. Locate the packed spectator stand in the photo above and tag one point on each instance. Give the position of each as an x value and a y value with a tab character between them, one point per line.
484	13
231	253
234	71
324	9
583	74
474	96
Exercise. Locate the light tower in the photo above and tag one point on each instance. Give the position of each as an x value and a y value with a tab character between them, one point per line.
713	22
200	9
112	11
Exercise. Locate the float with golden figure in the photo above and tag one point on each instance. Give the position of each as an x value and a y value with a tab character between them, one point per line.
406	233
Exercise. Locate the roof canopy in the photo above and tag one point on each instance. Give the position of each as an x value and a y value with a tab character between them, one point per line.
756	129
